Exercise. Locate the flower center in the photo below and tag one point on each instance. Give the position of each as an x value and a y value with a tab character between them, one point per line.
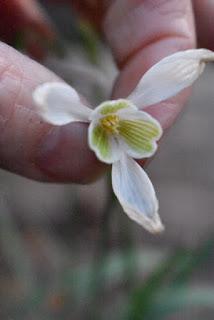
110	123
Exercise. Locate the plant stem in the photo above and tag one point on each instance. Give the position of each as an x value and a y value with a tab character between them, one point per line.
98	277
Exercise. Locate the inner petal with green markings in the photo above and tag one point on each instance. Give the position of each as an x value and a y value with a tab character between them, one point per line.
118	127
138	135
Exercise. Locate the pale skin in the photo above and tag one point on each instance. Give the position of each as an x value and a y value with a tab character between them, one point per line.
148	31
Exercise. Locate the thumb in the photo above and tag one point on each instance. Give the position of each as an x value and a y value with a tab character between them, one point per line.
29	146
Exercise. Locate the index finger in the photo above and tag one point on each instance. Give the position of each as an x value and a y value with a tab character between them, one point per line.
140	34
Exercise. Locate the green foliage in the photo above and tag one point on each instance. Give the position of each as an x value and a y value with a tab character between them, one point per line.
89	40
166	290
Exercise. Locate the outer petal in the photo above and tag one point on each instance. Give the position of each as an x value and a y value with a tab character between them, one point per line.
136	194
169	76
138	133
58	103
105	146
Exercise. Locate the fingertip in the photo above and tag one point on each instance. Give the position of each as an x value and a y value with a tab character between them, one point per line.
172	30
63	155
133	25
167	111
29	146
144	59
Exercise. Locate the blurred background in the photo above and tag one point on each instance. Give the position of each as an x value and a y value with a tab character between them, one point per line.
67	251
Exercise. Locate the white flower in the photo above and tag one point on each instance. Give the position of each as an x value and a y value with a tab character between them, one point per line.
119	131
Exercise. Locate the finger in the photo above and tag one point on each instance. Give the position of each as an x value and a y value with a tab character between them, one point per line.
142	32
204	16
29	146
26	18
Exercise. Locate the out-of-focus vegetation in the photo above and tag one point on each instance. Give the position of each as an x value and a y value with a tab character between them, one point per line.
75	255
45	276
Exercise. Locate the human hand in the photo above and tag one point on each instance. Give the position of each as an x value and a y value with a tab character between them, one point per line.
23	23
140	33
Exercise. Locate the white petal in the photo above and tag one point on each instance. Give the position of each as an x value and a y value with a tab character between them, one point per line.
138	133
136	194
112	107
169	76
105	146
58	103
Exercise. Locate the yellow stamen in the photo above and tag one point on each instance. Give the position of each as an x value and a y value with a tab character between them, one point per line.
110	123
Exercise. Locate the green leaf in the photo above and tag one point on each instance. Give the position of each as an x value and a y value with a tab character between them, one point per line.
173	300
142	297
173	273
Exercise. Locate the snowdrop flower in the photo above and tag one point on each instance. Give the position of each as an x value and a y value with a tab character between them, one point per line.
120	132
